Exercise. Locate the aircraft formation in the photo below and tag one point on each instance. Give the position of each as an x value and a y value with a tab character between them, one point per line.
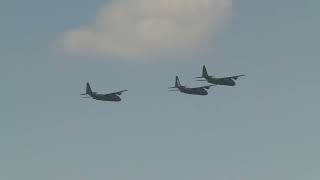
201	90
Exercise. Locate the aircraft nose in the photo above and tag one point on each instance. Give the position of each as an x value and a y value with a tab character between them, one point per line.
232	83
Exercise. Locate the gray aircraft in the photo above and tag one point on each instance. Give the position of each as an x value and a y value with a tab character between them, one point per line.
227	81
195	91
103	97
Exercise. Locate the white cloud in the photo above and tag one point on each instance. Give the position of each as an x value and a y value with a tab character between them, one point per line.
148	28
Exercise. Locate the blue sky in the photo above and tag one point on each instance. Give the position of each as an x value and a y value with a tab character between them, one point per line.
264	128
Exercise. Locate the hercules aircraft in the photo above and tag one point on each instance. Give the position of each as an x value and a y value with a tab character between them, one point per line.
227	81
103	97
195	91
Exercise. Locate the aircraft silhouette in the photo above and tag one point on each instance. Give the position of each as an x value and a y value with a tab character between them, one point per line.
195	91
227	81
103	97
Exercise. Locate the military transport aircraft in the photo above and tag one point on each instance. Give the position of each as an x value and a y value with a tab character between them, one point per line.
103	97
227	81
195	91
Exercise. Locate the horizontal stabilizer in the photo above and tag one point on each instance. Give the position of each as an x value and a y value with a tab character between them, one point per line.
204	77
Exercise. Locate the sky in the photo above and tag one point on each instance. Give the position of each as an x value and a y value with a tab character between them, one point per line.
264	128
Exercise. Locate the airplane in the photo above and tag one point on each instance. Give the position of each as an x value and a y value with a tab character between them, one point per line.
227	81
195	91
103	97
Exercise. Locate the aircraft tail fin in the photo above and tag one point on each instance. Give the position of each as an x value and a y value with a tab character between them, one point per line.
177	83
88	89
204	73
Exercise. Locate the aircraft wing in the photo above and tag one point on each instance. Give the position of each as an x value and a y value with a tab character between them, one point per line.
117	93
234	77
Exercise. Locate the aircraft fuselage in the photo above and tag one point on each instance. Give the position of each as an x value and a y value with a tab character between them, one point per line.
195	91
221	81
106	97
